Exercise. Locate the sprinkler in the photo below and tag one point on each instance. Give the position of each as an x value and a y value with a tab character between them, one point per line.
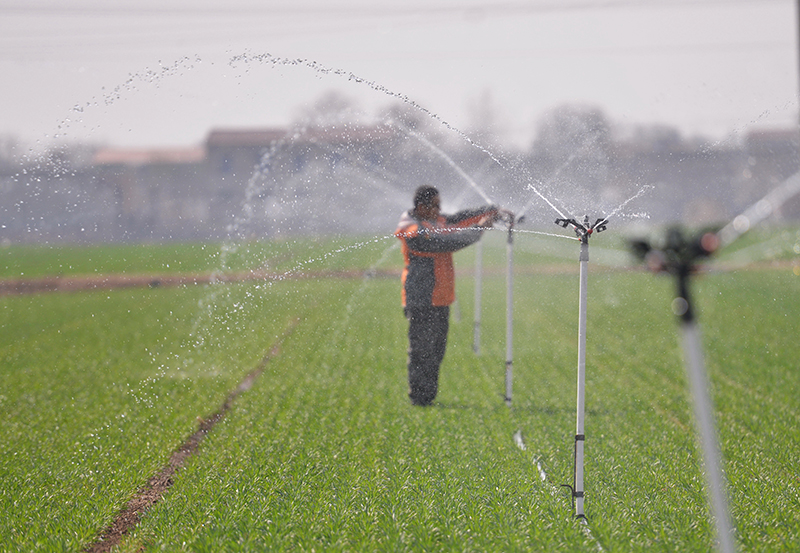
509	219
678	255
476	325
583	231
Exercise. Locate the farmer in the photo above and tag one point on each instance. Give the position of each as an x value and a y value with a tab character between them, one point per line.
428	240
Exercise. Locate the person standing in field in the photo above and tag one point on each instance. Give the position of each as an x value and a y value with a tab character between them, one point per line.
428	241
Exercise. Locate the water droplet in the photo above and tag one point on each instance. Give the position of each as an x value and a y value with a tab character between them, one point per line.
680	306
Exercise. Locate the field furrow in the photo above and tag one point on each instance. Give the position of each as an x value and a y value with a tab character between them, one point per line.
324	452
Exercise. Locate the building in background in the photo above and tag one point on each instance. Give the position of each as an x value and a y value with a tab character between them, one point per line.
261	183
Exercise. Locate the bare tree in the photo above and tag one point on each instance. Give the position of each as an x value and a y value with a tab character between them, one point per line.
572	129
485	124
9	149
332	108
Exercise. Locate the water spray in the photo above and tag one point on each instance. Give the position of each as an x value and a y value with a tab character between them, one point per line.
678	255
583	231
509	218
476	329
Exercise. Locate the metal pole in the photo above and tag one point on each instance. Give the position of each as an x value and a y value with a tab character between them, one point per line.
476	334
509	311
583	231
704	415
679	257
577	489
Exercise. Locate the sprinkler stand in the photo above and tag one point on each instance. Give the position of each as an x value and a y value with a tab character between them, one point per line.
476	329
583	232
679	256
510	311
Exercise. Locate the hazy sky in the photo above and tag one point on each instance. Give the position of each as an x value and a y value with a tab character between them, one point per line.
158	73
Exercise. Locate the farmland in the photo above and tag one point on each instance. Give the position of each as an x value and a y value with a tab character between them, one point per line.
324	452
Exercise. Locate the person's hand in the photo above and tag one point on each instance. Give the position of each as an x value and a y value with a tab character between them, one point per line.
487	220
505	215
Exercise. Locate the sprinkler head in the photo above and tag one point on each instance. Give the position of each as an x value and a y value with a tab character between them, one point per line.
584	230
676	252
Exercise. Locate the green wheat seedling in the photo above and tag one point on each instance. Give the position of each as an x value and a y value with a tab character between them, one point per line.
324	451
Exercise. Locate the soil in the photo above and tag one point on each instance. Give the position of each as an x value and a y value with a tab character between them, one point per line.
112	281
158	484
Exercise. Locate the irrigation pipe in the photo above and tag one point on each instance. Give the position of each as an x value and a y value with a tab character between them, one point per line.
704	415
583	231
679	256
519	441
510	311
476	327
580	437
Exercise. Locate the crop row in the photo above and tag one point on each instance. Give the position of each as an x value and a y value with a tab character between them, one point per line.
325	452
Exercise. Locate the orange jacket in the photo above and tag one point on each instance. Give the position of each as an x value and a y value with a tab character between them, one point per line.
429	276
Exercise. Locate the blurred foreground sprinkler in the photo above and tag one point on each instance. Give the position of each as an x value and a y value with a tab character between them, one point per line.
583	231
678	255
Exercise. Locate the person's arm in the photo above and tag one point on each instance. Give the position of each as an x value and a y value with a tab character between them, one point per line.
429	240
471	217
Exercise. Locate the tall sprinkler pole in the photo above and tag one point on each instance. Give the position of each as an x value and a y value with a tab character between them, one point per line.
476	329
583	231
509	310
678	256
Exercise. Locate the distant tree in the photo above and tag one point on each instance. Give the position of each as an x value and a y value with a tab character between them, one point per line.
413	120
654	138
332	108
571	130
406	115
572	155
485	125
68	156
9	149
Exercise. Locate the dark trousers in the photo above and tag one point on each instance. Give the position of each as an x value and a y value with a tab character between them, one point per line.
427	342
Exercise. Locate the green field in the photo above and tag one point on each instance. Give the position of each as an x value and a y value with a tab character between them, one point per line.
324	452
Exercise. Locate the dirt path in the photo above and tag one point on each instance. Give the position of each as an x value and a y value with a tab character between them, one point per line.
158	484
113	281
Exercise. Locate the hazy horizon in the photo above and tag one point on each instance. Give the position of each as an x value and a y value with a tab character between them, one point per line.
149	74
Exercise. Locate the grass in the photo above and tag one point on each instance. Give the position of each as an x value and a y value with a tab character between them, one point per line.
325	453
28	261
88	410
36	261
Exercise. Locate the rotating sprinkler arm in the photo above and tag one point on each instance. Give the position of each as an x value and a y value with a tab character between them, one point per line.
583	231
678	255
507	217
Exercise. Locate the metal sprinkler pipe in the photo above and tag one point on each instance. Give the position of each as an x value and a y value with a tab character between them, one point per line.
476	327
679	256
510	310
583	232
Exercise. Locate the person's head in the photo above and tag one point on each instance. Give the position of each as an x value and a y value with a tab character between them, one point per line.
426	203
